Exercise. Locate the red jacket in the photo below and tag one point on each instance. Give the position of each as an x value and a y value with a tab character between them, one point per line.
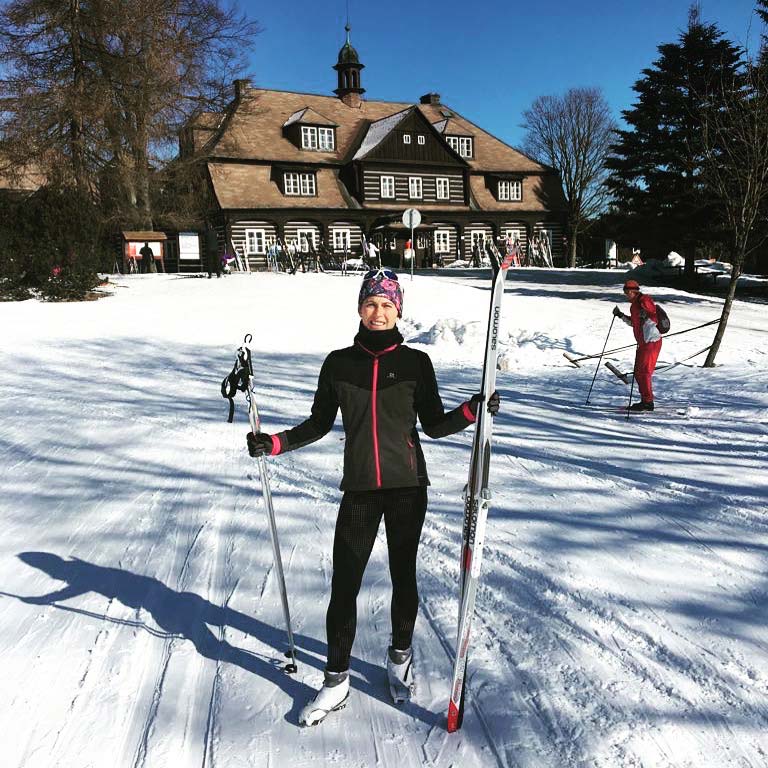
641	308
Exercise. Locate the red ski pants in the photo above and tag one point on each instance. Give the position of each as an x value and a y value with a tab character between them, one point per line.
645	364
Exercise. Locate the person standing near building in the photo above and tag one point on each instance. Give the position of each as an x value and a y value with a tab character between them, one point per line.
212	260
643	319
476	253
373	255
381	387
147	258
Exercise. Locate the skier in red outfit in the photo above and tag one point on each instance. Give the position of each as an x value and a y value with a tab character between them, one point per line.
642	317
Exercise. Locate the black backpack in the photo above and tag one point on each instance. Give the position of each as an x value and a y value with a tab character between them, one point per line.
662	320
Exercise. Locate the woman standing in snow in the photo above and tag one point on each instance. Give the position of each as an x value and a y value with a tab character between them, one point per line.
643	319
381	387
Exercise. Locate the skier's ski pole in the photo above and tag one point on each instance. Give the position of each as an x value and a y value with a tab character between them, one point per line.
631	390
573	360
253	415
597	367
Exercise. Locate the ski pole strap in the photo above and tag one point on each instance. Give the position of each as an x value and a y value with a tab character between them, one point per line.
236	381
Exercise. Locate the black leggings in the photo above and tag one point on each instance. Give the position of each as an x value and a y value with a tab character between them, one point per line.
359	517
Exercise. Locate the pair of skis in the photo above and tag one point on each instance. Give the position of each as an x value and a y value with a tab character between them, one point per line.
477	494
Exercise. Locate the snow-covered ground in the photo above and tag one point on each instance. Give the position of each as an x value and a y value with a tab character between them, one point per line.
621	619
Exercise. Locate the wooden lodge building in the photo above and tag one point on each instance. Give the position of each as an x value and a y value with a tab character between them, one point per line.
327	170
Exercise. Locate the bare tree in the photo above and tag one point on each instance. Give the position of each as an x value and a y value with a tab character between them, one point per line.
735	141
573	133
96	90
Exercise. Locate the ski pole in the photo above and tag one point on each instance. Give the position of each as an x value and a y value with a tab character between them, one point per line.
244	353
573	360
631	390
597	367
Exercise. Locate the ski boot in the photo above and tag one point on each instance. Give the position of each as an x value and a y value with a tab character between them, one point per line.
332	696
400	674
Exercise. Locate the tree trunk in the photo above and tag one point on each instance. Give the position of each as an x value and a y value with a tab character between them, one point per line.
572	250
690	267
713	350
77	106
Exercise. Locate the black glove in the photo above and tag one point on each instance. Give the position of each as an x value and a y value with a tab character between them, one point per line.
259	444
617	312
493	403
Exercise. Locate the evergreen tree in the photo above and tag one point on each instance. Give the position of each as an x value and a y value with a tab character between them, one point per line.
762	10
661	201
94	92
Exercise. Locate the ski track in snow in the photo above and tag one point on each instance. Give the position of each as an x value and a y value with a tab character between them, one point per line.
619	620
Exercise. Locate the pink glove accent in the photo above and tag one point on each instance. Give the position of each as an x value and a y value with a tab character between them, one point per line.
467	411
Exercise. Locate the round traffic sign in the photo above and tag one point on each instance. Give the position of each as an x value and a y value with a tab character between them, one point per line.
411	218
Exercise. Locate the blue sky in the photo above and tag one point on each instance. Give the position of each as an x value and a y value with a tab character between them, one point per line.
488	60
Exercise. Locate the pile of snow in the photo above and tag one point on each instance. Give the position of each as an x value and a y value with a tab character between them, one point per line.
619	618
674	259
452	331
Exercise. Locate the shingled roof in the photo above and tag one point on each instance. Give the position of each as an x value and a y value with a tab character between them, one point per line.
255	130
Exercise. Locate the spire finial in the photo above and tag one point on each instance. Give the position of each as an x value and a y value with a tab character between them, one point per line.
346	26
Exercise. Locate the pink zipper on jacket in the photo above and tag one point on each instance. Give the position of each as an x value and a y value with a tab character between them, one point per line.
374	418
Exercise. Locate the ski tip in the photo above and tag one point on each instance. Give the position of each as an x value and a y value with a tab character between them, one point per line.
453	717
571	360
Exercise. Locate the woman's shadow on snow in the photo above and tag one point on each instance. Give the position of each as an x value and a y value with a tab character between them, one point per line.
188	616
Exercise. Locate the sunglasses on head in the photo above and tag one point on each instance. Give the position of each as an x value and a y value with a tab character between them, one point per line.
383	273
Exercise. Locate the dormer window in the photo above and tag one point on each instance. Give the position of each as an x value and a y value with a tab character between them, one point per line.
325	139
510	190
299	184
308	137
461	145
316	138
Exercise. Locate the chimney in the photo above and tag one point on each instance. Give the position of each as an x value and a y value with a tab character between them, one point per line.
352	100
240	88
430	98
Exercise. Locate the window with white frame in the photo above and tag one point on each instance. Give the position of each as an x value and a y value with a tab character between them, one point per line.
414	187
387	186
460	144
476	237
300	184
342	239
307	180
406	138
511	234
325	139
255	241
313	137
308	137
291	183
421	138
510	190
442	241
443	188
306	238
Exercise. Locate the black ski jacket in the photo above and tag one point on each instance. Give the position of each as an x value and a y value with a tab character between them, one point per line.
380	394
